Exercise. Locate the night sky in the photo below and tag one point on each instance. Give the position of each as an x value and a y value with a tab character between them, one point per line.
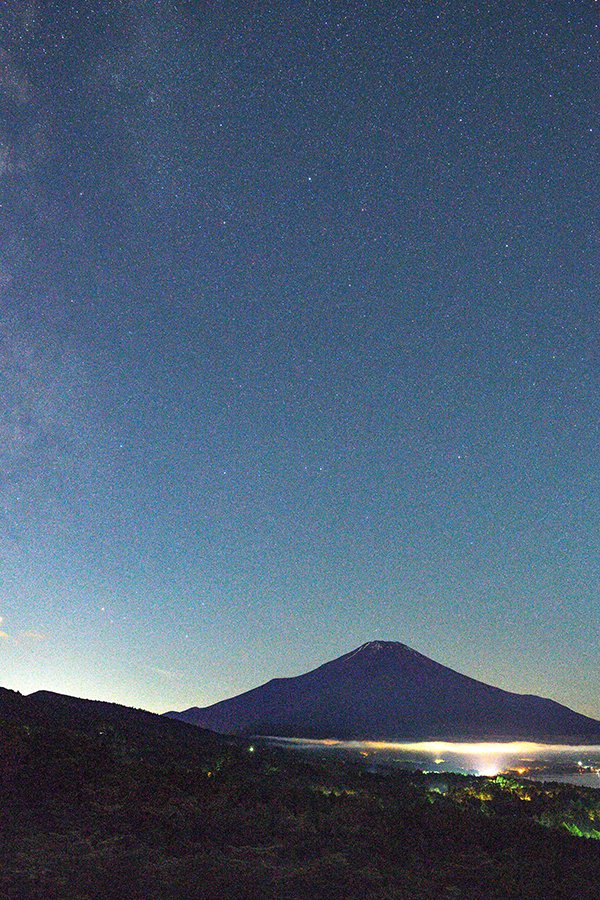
298	343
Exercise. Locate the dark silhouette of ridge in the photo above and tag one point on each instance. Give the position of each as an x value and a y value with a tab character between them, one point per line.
384	690
142	732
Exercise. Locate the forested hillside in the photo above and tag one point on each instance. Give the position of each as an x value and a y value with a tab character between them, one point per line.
91	812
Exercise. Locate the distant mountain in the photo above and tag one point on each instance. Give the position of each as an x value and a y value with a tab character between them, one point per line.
383	690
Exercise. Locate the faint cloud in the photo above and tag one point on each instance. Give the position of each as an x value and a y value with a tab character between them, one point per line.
30	634
164	673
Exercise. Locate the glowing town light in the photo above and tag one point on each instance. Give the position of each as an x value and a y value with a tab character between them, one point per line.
490	769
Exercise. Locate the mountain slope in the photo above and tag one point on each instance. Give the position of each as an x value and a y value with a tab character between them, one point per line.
137	731
384	690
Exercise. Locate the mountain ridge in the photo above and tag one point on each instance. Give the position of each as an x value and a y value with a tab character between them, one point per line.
102	722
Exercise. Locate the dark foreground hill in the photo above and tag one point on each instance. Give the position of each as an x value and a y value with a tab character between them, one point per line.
99	802
385	691
147	733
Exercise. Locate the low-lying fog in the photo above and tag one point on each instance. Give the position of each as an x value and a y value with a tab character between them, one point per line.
554	762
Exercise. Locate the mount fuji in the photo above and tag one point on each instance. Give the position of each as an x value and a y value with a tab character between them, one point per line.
384	690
